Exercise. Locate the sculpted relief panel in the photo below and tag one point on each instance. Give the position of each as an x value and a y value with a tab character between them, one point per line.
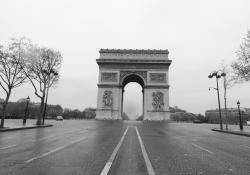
158	101
109	77
107	99
157	77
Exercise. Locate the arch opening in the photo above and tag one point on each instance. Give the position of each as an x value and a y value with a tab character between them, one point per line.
132	97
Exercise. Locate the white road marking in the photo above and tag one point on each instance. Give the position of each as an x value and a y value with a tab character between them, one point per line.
11	146
54	150
245	146
197	146
145	155
108	165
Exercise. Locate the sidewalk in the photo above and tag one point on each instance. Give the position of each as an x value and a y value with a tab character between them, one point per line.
14	125
245	132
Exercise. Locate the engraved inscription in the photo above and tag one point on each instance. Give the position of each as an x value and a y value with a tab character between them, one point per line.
107	99
109	77
157	77
158	101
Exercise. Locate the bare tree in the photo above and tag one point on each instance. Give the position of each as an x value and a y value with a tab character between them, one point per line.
42	69
241	66
11	72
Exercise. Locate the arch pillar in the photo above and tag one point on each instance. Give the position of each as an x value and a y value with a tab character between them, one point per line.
156	102
109	102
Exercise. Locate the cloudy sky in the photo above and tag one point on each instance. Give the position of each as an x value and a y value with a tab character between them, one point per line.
198	34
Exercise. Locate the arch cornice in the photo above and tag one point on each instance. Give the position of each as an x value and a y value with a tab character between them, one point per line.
132	61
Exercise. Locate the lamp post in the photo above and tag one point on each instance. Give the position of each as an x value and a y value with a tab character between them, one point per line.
26	110
241	122
217	75
225	100
47	93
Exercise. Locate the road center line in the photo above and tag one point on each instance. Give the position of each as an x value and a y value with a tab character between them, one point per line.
197	146
11	146
54	150
145	155
108	165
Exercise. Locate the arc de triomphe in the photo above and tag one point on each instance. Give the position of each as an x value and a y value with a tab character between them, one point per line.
149	68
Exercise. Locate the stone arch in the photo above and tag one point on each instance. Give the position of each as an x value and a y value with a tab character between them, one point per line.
118	67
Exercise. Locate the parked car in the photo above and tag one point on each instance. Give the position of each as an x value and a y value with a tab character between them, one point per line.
248	123
197	121
59	118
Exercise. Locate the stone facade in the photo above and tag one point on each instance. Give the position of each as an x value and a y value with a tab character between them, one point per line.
149	68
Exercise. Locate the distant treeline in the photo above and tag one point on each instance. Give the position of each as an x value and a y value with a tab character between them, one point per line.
16	110
125	116
180	115
88	113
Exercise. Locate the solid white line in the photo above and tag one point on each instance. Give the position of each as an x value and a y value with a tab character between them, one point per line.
54	150
197	146
145	155
108	165
245	146
11	146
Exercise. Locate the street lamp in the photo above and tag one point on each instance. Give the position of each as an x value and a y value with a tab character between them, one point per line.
241	122
47	93
26	110
217	75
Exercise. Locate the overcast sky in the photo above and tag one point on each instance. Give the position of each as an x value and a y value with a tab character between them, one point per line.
198	35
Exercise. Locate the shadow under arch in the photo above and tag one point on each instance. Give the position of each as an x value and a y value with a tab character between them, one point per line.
133	77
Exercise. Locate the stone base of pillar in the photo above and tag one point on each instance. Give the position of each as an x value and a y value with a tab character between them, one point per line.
157	116
108	114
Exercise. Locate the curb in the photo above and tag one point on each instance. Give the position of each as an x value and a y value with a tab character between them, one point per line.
23	128
233	132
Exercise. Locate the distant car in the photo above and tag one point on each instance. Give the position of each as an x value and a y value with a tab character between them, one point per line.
59	118
248	123
197	121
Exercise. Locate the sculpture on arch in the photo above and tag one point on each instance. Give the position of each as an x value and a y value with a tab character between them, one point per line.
107	99
158	101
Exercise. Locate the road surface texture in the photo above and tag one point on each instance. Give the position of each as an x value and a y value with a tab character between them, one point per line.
123	148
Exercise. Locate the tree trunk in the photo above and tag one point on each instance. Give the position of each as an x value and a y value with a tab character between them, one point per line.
225	98
39	118
4	109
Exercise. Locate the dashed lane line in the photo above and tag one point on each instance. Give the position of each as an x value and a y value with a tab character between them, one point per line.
7	147
108	165
204	149
54	150
145	155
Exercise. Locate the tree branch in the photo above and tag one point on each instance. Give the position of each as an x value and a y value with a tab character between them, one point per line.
3	87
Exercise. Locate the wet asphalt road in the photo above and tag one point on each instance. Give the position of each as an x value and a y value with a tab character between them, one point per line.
84	147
